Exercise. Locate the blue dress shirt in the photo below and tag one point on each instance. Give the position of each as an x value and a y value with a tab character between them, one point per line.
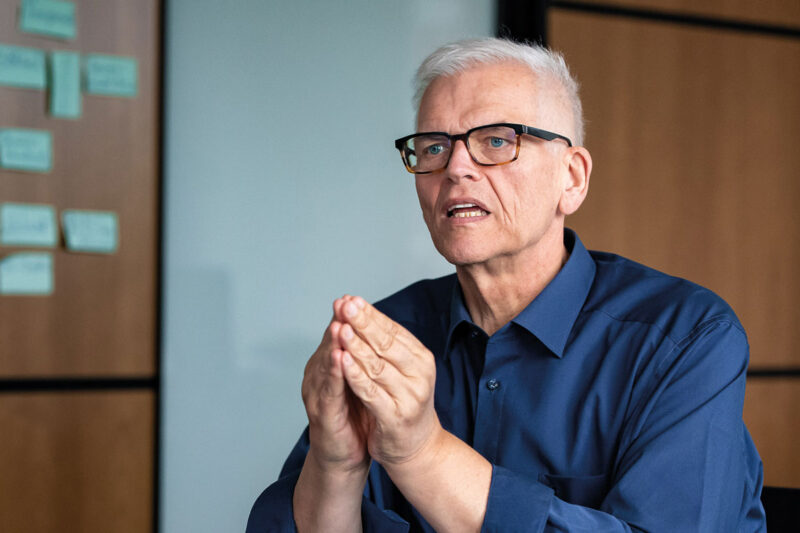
613	402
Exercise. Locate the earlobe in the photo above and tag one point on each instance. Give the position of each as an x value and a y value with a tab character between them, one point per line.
578	169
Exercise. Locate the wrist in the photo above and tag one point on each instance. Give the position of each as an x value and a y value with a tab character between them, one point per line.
328	499
426	460
336	474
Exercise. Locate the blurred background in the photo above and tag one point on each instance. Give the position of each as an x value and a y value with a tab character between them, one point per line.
254	180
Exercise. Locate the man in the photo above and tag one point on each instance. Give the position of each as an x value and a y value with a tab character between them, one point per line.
540	388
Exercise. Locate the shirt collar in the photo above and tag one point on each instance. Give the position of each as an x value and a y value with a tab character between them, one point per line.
552	314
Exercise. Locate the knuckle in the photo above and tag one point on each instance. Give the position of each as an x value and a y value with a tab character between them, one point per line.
371	390
325	392
400	412
376	366
422	392
387	340
405	413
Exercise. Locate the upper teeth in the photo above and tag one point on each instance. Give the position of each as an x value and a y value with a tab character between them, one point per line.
458	206
465	214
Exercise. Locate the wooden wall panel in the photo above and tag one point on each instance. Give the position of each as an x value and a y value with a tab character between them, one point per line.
82	461
102	317
694	136
76	462
777	12
772	416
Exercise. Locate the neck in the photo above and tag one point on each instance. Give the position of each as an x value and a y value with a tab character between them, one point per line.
499	289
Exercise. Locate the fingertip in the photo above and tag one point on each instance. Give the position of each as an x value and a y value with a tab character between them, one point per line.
338	305
350	309
360	302
347	359
336	358
346	332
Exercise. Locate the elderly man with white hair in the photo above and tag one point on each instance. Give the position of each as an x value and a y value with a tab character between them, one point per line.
541	387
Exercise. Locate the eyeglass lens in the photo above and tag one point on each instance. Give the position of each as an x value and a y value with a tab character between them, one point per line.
491	145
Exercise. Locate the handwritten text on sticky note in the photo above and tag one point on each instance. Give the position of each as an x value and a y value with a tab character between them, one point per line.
65	84
26	273
22	149
111	75
90	231
48	17
27	225
22	67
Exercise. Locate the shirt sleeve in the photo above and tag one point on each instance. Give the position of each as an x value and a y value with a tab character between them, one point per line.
273	510
685	460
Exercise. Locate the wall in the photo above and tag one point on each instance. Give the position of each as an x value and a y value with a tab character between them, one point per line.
282	191
693	129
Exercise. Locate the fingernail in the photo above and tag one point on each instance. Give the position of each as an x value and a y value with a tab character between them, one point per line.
350	310
347	359
360	302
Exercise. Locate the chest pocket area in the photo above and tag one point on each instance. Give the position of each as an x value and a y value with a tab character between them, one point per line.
588	491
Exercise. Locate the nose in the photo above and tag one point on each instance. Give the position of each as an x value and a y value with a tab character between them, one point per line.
461	164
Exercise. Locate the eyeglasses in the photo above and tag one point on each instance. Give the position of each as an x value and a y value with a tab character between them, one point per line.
493	144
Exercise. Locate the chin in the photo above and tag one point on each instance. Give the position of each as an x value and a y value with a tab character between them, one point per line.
462	256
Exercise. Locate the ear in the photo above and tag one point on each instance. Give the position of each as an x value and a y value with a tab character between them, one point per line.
577	169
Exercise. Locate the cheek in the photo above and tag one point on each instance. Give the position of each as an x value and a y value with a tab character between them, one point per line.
532	198
426	193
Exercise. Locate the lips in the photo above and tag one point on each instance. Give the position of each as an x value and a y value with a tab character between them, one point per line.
465	209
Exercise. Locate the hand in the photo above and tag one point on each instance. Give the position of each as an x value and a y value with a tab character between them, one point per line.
393	375
338	422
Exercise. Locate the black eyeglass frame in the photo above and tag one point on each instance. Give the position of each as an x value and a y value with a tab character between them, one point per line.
519	129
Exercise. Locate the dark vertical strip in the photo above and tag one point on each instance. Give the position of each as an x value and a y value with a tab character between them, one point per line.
522	20
162	55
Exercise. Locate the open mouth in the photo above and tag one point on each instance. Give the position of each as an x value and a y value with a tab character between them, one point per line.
466	211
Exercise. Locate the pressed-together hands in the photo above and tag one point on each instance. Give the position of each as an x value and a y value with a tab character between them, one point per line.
368	391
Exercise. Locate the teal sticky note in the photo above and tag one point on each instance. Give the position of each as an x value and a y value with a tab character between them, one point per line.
22	67
65	84
22	149
26	273
90	231
111	75
48	17
28	225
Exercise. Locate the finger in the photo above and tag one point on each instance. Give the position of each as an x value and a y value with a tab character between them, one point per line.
329	342
337	307
388	338
332	387
377	368
327	402
374	397
323	365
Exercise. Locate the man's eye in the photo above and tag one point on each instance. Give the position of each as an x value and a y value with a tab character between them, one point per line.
434	149
497	142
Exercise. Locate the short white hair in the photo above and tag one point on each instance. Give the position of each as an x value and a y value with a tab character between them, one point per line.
459	56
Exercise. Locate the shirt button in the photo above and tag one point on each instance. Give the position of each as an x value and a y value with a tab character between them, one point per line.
474	334
492	384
